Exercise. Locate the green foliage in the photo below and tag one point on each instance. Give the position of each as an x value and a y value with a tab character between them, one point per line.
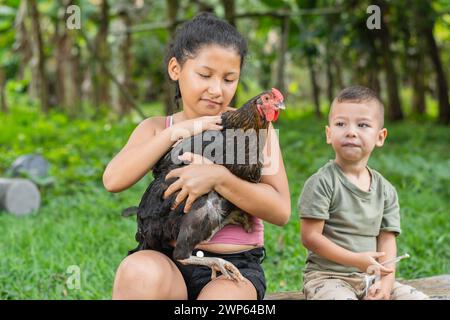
80	224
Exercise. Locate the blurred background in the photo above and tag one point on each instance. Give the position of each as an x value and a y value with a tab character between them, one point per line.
76	77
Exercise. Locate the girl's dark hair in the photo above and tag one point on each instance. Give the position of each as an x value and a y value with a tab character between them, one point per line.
202	30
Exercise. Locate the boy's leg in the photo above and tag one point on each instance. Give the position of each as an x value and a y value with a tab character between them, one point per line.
405	292
321	287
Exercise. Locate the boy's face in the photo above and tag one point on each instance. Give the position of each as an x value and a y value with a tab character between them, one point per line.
355	129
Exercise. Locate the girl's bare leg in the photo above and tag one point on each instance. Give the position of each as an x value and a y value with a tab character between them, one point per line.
148	274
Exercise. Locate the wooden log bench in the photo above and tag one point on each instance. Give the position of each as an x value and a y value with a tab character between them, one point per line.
437	288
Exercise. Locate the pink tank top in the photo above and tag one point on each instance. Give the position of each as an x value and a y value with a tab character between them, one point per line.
236	234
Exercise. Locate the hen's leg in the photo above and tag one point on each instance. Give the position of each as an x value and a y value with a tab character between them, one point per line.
198	225
216	264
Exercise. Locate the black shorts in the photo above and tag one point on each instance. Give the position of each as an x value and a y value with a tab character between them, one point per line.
248	262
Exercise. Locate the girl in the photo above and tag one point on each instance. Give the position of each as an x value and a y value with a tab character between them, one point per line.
205	60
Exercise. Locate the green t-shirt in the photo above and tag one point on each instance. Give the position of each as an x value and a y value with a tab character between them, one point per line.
353	217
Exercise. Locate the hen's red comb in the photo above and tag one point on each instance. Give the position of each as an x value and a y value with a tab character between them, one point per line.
277	94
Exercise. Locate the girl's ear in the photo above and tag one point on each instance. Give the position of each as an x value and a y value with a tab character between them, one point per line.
174	69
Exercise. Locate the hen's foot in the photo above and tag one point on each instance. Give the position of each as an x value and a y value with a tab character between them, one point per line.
216	264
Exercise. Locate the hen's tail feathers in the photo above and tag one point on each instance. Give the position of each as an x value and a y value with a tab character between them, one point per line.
128	212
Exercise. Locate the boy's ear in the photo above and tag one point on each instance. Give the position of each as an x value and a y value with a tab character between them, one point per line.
382	134
174	69
328	134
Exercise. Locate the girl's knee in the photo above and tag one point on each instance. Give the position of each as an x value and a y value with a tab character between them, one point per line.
144	275
140	266
223	289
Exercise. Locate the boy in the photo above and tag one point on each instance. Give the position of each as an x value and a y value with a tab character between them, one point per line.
349	212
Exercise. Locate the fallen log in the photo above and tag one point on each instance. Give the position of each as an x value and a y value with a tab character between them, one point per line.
19	196
437	288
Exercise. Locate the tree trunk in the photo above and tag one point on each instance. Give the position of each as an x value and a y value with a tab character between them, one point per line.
38	56
418	86
127	62
338	72
100	79
282	54
314	85
230	12
374	65
394	105
22	41
3	104
68	84
425	20
122	61
441	81
169	91
374	82
329	73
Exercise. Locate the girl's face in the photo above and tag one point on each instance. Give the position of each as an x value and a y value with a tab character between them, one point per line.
208	81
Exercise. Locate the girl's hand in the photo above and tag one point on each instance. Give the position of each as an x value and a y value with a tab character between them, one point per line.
194	180
195	126
366	262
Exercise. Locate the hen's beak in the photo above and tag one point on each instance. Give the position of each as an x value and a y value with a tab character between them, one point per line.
280	105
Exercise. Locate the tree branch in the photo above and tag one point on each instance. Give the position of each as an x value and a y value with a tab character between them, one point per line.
278	15
105	69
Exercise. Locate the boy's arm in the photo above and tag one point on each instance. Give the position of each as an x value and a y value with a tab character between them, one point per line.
386	242
314	240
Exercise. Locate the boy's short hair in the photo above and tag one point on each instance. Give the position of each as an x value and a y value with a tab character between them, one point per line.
360	94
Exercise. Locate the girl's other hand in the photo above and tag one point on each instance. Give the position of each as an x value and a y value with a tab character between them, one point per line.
194	180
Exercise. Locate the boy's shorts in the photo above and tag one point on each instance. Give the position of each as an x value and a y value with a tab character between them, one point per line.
248	262
324	285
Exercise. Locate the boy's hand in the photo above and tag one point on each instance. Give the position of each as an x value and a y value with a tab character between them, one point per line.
381	290
364	260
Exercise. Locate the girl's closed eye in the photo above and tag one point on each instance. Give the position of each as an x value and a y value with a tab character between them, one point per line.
206	76
230	80
364	125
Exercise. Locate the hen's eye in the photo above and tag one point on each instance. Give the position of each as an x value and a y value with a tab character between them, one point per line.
266	98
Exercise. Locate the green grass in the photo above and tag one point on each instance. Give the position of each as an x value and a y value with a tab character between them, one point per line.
80	224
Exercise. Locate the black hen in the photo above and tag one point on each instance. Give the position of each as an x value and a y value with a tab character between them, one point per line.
158	224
